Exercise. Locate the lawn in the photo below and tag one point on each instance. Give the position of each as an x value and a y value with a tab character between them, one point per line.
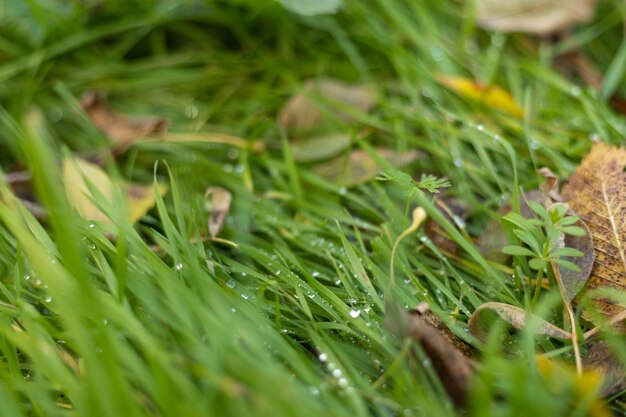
296	306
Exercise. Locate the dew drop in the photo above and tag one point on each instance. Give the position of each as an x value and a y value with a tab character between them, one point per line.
48	299
337	373
191	111
178	266
323	357
231	283
355	313
343	382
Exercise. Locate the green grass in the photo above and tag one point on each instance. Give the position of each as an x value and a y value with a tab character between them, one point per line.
291	322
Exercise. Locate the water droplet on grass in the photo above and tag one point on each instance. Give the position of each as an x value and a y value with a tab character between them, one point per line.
355	313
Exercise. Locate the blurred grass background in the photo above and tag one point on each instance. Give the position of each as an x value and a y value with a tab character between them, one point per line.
286	324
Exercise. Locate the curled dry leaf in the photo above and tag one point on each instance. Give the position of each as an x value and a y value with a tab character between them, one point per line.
302	113
220	205
480	321
320	148
358	167
80	176
122	129
539	17
451	358
489	95
596	192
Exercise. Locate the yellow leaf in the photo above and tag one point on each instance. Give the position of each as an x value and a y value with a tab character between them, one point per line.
490	95
584	389
77	190
78	173
220	205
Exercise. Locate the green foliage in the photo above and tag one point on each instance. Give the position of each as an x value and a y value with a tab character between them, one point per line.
158	322
543	236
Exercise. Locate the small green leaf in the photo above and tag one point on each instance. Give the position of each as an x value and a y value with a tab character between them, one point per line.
529	239
537	264
517	251
568	221
574	231
567	252
538	209
569	265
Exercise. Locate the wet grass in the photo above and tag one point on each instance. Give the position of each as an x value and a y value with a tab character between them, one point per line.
291	322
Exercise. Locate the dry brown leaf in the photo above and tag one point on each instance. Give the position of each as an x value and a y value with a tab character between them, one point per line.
539	17
320	148
121	129
79	174
451	358
597	192
301	113
479	323
220	204
358	167
601	357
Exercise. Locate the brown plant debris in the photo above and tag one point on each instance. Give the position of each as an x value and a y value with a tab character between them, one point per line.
597	192
121	129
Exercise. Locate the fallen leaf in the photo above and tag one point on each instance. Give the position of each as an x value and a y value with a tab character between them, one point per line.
539	17
120	128
320	148
584	390
220	204
140	199
301	113
451	357
600	357
489	95
480	322
454	212
78	173
596	192
358	167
